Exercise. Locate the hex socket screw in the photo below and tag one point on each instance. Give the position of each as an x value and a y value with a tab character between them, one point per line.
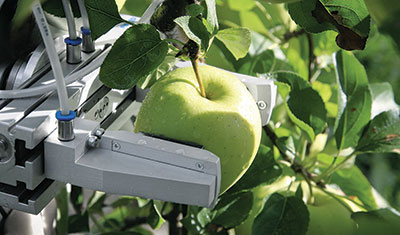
261	105
116	146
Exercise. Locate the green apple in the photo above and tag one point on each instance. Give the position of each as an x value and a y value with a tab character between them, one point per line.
227	122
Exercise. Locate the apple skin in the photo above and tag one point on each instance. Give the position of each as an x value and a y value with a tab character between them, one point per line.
226	123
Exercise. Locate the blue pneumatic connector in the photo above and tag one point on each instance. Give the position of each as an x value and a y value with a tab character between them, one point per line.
73	50
65	126
87	44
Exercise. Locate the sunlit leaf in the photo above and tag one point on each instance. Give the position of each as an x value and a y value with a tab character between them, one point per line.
349	18
263	170
282	215
103	15
353	183
195	30
133	56
355	100
155	218
237	40
382	134
232	209
305	106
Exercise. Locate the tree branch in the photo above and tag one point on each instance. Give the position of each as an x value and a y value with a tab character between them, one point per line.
295	165
311	56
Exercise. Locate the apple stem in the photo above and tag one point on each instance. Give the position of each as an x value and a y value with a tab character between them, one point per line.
196	71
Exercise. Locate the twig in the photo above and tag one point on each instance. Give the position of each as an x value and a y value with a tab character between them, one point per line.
195	64
295	165
311	56
332	168
294	34
172	219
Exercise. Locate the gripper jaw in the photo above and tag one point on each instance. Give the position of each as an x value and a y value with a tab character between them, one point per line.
127	163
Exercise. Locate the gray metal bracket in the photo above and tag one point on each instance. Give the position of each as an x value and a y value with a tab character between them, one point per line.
134	164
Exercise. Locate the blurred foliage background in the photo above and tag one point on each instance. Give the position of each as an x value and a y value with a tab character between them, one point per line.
269	24
277	44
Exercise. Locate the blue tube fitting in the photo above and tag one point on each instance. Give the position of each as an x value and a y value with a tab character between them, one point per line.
73	42
69	117
65	126
85	31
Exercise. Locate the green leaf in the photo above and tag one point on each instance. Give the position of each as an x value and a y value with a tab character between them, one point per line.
353	183
382	134
323	43
76	198
284	90
382	221
353	84
298	55
241	4
237	40
166	66
103	15
196	219
212	14
263	64
123	201
382	98
258	64
56	8
163	18
155	218
194	9
133	56
350	18
305	106
96	202
62	208
282	216
299	192
308	106
232	209
263	170
78	223
195	30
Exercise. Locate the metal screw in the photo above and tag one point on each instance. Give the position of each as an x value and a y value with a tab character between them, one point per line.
199	165
99	132
92	141
261	104
116	146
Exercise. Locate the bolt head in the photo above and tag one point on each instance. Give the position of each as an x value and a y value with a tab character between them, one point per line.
199	165
92	141
99	132
261	105
116	146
